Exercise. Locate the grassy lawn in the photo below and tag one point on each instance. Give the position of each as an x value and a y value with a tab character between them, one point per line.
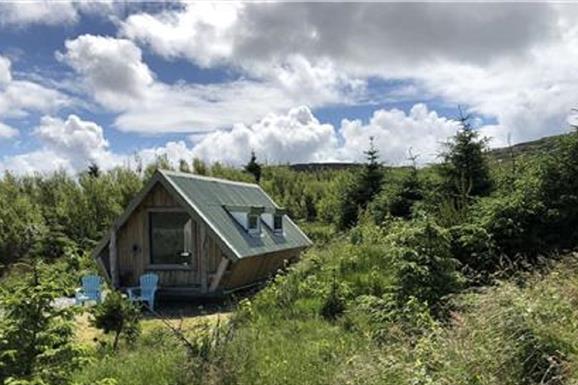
182	317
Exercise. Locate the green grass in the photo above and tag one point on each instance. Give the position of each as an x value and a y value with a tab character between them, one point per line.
156	360
511	333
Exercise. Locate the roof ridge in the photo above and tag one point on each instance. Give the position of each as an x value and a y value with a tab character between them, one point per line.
204	177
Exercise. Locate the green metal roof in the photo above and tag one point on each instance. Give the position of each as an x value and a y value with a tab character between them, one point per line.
208	196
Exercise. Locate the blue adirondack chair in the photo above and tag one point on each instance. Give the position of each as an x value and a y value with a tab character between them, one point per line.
146	291
90	290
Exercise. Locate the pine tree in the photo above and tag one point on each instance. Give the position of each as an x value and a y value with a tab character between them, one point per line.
465	170
253	167
371	178
363	189
93	170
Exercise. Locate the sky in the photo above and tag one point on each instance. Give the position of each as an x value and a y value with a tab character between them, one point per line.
117	83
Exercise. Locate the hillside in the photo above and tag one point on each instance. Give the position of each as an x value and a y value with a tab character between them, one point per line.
498	155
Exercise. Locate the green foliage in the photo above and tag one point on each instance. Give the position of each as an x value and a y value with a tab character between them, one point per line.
465	170
425	268
361	190
118	316
253	167
398	198
475	248
36	338
22	226
334	304
156	359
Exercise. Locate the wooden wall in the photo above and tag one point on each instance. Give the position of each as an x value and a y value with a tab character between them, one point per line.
133	247
253	269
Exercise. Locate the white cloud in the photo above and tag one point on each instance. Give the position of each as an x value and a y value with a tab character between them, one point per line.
112	68
54	13
299	137
70	144
38	12
7	132
172	151
19	97
295	137
119	80
512	62
396	132
5	75
204	33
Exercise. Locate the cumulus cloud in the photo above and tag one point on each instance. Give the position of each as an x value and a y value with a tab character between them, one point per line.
54	13
396	132
70	144
294	137
363	35
299	137
114	73
204	32
510	62
19	97
112	68
43	12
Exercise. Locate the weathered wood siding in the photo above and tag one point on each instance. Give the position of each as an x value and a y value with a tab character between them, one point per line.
253	269
133	247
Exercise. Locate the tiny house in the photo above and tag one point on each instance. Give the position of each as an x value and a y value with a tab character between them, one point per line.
201	235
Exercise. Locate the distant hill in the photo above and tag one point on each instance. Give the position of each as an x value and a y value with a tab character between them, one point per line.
324	166
497	155
524	149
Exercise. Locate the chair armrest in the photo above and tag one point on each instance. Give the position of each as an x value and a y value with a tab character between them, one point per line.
130	291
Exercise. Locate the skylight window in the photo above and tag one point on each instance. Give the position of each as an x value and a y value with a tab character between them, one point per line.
248	217
253	224
278	223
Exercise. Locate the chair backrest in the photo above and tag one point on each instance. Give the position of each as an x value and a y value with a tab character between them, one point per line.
148	284
91	283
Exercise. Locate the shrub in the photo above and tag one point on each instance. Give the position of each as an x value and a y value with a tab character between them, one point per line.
425	268
334	304
36	338
474	247
118	316
517	222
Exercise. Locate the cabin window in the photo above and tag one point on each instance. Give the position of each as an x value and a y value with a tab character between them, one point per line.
278	223
170	238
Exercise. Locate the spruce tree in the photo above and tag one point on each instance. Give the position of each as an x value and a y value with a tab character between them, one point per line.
363	188
465	170
93	170
253	167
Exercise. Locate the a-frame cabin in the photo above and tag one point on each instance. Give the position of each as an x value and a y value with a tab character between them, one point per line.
201	235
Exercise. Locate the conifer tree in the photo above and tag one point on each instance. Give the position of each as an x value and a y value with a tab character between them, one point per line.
363	188
465	170
253	167
93	170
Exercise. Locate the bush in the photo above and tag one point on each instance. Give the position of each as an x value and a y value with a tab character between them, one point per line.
334	304
474	247
425	268
118	316
36	338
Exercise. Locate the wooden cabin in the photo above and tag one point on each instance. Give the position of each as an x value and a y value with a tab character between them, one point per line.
202	236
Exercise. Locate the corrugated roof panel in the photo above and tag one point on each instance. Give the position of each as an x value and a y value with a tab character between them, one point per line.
209	195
